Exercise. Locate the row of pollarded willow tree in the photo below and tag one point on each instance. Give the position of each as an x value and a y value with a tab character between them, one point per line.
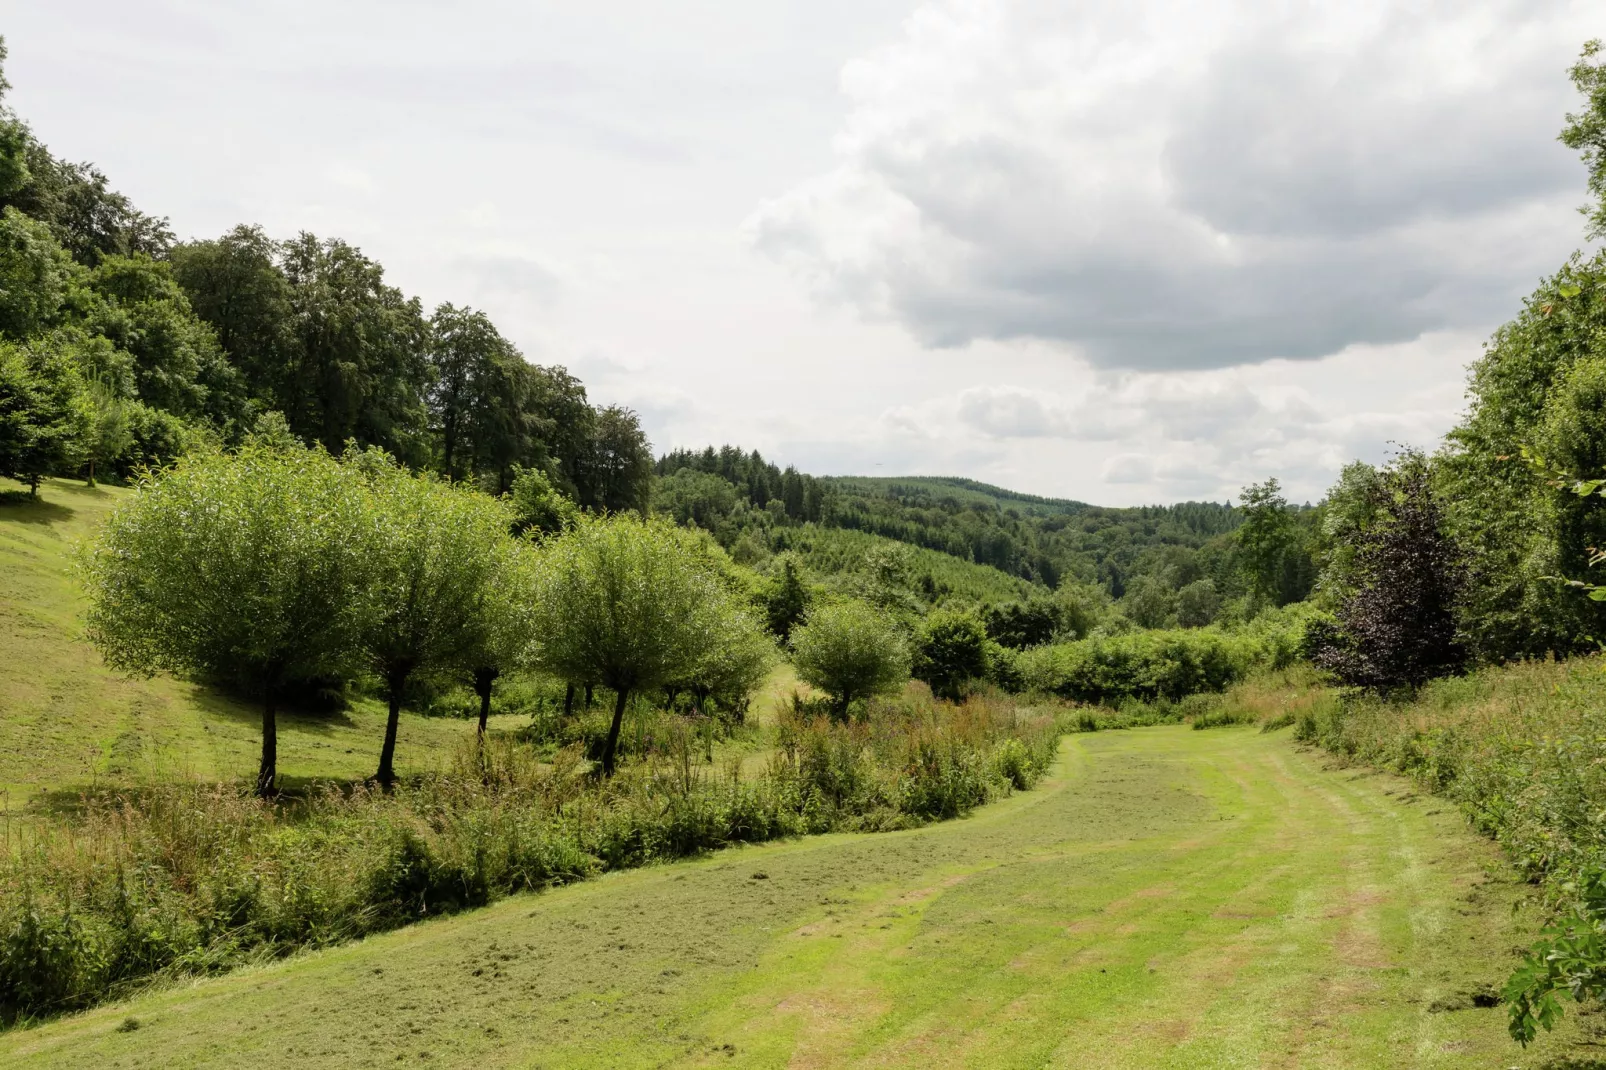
276	563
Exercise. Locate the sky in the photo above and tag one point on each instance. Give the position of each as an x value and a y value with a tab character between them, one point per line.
1126	253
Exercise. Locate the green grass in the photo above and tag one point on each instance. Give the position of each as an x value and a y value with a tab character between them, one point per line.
67	721
1168	898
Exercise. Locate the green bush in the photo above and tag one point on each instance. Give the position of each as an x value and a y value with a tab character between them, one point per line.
1163	664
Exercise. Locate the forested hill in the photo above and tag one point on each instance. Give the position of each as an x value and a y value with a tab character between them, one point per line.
739	495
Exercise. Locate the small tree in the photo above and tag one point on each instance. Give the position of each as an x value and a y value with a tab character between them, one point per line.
785	596
435	551
45	414
1197	604
849	650
626	603
950	648
248	567
736	663
1397	627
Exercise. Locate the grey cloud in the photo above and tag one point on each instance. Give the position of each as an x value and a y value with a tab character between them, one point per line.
1287	196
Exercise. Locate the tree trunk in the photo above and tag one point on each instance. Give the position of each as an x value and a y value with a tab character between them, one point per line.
842	707
268	770
613	731
387	754
588	696
568	700
484	679
91	480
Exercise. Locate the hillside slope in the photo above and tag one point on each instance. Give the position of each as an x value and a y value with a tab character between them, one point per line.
1168	899
67	721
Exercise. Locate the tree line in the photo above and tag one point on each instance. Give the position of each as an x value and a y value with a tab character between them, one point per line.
120	346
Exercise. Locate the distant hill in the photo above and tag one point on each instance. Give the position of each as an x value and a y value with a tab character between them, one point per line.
1024	536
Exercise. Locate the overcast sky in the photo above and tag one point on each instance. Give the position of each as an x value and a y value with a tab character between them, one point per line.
1123	252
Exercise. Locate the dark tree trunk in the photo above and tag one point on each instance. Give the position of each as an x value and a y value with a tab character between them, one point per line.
387	754
484	679
613	731
588	696
568	700
842	707
91	480
268	770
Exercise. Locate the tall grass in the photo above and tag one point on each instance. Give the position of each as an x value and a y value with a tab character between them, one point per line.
183	879
1521	748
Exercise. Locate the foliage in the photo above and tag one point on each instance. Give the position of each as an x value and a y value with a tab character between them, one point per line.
1586	131
46	415
434	552
1020	625
1512	525
950	649
626	603
850	651
1198	604
537	505
1397	627
1168	665
246	567
785	597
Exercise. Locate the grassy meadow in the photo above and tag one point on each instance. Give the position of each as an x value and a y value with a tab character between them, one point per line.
1167	898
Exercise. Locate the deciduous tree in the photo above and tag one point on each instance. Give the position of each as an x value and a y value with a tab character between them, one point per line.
850	651
624	602
250	567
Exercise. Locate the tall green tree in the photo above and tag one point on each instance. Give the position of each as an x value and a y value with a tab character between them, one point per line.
248	567
137	304
435	551
1266	536
235	284
473	394
617	476
36	275
624	602
355	364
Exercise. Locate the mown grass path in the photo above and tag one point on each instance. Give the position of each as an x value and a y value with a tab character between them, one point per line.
1167	898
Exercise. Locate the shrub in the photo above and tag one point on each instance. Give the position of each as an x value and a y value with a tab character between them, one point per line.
850	651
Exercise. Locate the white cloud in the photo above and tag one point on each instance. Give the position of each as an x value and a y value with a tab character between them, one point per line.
1190	185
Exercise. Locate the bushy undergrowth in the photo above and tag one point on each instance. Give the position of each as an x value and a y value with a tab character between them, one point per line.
1170	664
181	879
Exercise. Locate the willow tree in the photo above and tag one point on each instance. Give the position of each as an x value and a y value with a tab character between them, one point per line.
625	602
248	567
436	552
850	650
